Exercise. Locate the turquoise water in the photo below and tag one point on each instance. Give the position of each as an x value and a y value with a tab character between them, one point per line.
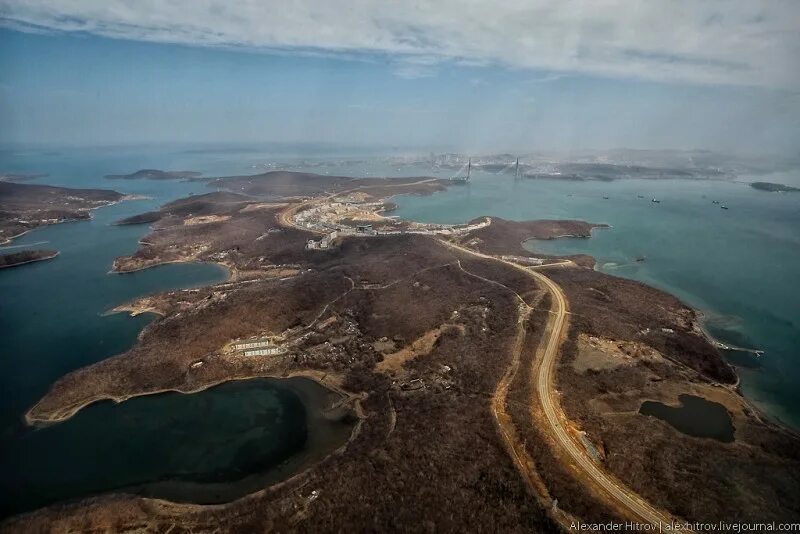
53	321
740	266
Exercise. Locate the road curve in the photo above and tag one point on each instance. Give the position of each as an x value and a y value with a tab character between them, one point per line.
622	497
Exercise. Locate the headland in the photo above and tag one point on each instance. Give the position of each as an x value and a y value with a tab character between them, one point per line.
29	206
15	259
494	382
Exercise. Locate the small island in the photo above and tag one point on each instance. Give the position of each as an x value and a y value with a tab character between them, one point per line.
155	174
17	177
24	207
15	259
140	218
457	348
773	187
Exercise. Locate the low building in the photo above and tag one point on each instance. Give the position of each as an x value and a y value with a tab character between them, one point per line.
269	351
365	229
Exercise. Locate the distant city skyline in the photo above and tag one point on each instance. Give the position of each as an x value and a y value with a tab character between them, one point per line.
562	76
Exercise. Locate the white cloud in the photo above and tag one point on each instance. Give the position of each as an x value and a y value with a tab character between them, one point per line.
412	72
412	67
553	77
739	42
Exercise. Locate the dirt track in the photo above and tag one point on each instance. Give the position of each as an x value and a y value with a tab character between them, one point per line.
620	497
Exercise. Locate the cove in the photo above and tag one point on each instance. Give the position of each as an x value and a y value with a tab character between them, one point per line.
207	447
212	446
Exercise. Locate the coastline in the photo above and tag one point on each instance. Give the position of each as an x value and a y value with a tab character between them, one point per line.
232	274
184	496
88	211
331	381
345	403
180	508
67	413
760	413
44	258
10	239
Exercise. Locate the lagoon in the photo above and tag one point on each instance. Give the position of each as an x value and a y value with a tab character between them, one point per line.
210	446
738	266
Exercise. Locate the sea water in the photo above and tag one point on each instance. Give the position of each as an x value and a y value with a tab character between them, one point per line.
203	447
740	266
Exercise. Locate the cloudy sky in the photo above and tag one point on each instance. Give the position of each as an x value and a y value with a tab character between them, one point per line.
487	75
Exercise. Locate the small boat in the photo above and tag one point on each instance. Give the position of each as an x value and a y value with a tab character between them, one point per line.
605	198
724	207
656	201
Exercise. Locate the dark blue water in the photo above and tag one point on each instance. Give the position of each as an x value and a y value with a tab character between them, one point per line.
200	440
52	313
694	416
740	266
205	447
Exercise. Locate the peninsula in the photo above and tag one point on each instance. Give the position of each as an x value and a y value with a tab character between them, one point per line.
17	177
24	207
495	387
15	259
773	187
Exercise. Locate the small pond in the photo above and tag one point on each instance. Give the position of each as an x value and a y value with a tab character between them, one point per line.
695	416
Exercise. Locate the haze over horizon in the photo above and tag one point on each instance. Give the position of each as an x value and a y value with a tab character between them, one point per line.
527	266
521	76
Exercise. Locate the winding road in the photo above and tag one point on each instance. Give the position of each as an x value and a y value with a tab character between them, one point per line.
619	496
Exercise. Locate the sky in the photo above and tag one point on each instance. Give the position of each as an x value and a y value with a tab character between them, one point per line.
468	75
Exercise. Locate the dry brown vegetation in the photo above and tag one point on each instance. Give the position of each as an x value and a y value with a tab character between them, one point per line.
13	259
755	478
622	309
244	239
24	207
504	237
427	455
